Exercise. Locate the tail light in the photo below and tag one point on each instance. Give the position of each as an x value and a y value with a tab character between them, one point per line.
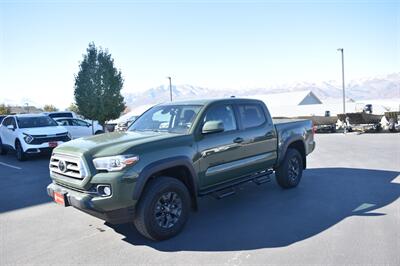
314	129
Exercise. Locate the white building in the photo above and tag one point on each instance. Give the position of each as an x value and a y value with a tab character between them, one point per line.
289	98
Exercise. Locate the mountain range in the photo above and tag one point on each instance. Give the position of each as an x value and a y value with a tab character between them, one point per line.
382	87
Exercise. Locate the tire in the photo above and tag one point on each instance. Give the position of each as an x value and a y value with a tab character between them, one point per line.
3	150
99	132
21	156
377	128
153	202
289	173
392	127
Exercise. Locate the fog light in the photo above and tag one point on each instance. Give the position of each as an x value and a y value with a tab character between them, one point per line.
104	190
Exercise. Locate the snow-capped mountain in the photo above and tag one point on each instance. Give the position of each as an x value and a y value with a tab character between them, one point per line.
383	87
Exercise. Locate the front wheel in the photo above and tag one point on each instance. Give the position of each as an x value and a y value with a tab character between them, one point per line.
21	155
163	208
289	173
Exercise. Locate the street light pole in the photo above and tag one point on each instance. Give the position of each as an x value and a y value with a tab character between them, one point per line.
170	88
344	95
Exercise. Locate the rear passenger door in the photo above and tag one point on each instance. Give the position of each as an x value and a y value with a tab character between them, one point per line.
259	136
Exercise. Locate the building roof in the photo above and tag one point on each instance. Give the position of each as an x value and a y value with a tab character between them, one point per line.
289	98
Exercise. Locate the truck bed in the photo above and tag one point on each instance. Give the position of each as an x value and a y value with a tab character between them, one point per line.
288	128
288	120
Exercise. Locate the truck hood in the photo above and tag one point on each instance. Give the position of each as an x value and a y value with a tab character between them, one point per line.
44	130
109	144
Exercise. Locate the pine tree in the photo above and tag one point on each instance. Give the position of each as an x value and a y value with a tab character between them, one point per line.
98	86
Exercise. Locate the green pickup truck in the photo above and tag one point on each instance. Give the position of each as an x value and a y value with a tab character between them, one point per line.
153	174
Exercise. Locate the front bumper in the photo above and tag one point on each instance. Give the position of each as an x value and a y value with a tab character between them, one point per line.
84	201
39	148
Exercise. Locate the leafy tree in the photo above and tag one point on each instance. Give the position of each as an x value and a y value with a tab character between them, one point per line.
98	86
73	108
50	108
4	110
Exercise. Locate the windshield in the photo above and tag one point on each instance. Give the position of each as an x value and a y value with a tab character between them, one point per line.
39	121
167	118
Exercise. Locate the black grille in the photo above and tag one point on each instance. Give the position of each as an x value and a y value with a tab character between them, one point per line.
41	139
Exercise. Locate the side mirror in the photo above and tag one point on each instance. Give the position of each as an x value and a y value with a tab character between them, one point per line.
213	127
11	127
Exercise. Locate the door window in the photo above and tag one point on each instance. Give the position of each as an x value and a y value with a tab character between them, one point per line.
7	121
251	115
223	113
64	122
80	123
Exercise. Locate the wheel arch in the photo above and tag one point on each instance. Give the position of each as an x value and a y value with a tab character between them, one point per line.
295	143
179	167
300	147
15	144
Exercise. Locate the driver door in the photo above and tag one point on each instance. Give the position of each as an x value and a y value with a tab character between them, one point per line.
219	152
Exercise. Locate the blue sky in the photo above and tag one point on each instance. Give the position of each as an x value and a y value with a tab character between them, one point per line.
218	44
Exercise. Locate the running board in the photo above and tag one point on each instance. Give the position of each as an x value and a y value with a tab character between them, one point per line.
224	193
227	189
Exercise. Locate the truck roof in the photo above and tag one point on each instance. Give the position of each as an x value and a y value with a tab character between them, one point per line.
209	101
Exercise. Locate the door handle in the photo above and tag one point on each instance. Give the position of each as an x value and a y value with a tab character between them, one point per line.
238	140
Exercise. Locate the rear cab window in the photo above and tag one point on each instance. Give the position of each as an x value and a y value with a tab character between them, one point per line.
251	115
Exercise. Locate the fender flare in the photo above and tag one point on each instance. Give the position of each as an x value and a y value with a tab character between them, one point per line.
285	146
163	164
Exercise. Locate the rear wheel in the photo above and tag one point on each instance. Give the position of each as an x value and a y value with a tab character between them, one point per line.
21	155
289	173
163	209
3	150
99	132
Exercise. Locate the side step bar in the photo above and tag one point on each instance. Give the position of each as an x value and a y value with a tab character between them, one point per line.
227	189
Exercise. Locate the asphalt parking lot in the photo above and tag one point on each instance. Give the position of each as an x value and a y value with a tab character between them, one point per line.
346	210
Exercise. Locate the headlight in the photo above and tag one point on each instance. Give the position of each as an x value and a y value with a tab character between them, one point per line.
115	163
28	138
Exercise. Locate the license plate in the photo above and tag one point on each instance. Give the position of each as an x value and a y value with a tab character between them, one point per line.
52	144
59	198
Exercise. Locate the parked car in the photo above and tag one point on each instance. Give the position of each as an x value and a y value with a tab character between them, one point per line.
79	128
30	134
123	126
153	174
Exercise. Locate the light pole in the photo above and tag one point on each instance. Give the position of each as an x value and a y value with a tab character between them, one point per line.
170	88
344	95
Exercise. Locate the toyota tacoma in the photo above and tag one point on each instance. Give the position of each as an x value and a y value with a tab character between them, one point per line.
153	174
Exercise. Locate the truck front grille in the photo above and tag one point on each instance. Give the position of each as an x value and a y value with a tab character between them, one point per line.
68	166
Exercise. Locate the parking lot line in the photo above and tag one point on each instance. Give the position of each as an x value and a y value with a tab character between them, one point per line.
11	166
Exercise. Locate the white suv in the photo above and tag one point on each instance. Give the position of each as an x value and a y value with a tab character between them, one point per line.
30	134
